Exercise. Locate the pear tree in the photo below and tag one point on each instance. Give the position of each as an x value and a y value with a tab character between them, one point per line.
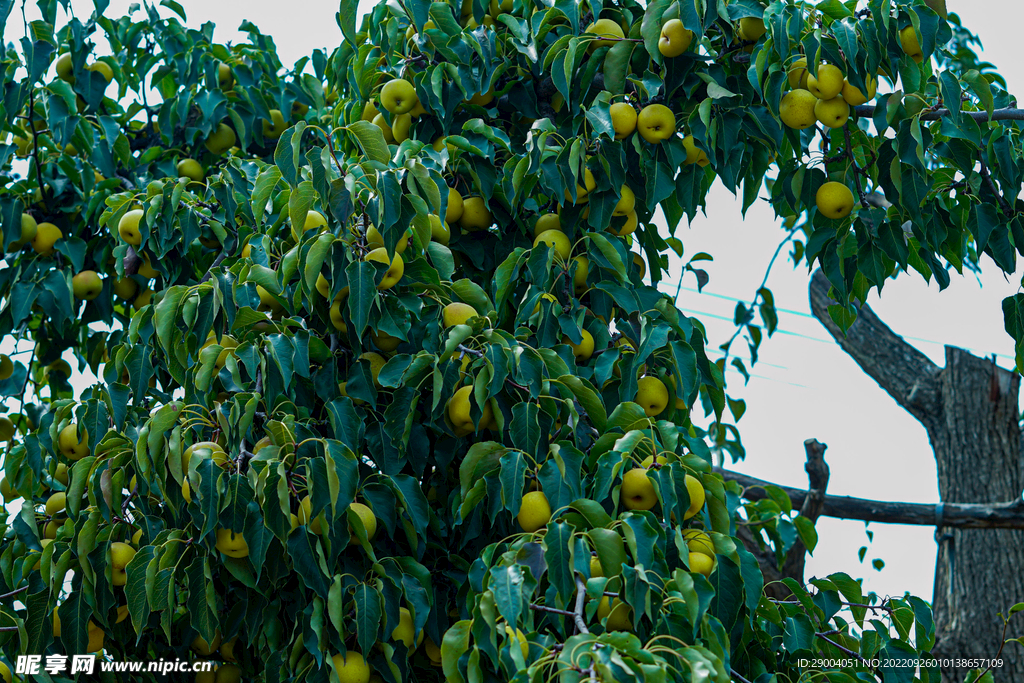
379	384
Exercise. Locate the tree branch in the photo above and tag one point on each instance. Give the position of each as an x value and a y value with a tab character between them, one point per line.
1008	515
213	266
987	177
905	373
1007	114
581	596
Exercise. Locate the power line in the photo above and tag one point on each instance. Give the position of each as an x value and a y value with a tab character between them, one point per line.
804	314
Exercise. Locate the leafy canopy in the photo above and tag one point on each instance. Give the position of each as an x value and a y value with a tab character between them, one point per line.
299	446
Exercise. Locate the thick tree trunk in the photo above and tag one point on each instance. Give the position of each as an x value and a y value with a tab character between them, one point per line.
969	409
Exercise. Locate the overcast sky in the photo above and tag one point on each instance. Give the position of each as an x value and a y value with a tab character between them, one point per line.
804	385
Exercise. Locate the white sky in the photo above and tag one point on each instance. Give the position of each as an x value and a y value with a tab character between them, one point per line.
805	386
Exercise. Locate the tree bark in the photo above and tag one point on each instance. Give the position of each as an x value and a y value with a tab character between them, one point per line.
969	409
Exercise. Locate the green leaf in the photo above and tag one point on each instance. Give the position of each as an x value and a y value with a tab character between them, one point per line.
139	570
362	292
611	550
506	583
481	458
299	203
371	140
263	191
453	646
202	603
368	615
287	156
588	397
808	534
303	552
558	556
981	87
525	428
592	512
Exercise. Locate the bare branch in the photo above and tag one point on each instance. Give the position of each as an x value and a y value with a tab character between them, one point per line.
1008	515
1007	114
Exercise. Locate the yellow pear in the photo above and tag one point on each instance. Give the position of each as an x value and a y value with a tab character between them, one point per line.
557	240
585	349
86	285
911	44
694	155
376	362
834	200
797	109
273	128
675	38
367	517
627	200
128	227
624	119
191	169
460	415
440	231
352	668
120	555
617	614
376	240
656	123
699	542
697	496
652	395
475	215
398	96
396	267
855	97
607	28
232	544
29	228
701	563
534	512
47	235
751	28
637	492
832	113
457	313
827	84
221	139
69	443
454	210
318	525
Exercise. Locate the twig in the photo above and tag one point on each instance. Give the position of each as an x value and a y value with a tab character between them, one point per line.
13	593
1003	204
847	651
552	610
764	281
741	679
216	262
472	352
1002	644
853	162
581	596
